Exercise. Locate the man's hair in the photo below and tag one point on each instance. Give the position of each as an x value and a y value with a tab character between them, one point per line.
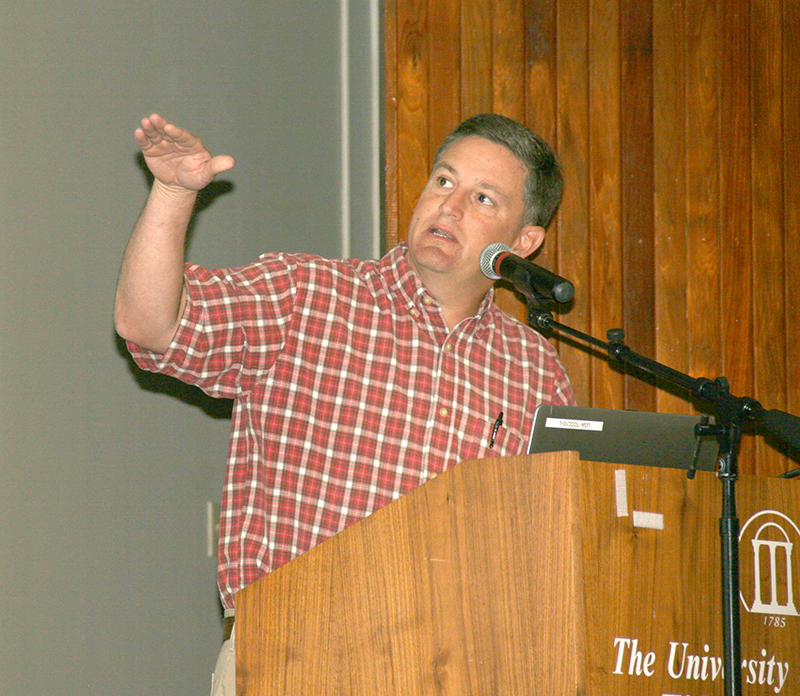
544	184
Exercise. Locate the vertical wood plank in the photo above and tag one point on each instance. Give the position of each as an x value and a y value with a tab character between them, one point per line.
702	189
540	58
540	93
768	262
791	195
636	138
574	261
412	107
508	60
736	268
669	147
508	55
444	72
476	57
391	124
604	192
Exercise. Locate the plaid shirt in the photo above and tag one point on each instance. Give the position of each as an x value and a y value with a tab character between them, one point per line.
349	391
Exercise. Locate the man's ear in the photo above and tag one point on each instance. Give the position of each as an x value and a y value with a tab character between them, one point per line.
529	239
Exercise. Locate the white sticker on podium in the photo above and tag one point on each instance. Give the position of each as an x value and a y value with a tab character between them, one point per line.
621	488
648	520
574	424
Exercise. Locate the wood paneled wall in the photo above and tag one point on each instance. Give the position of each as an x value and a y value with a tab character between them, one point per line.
676	122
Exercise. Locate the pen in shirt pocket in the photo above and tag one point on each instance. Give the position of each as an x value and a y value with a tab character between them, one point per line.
498	422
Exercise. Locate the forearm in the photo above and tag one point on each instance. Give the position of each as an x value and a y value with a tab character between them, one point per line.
150	295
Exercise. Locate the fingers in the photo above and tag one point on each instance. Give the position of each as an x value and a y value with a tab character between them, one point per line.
150	131
156	130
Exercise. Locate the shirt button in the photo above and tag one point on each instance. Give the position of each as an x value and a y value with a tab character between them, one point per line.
414	312
443	412
448	347
428	300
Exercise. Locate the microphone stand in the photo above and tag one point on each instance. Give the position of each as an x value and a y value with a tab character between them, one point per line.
730	414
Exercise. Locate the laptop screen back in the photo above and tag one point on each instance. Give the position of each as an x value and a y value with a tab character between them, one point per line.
623	437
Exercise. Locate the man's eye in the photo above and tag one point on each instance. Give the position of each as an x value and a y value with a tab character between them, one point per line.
483	198
443	181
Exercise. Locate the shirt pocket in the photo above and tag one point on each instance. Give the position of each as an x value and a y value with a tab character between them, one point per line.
479	439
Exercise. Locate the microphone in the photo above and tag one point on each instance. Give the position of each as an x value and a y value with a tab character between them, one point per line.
498	261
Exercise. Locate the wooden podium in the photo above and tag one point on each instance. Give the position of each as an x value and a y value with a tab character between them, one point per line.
534	575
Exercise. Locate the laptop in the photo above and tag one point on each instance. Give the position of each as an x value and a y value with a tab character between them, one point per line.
623	437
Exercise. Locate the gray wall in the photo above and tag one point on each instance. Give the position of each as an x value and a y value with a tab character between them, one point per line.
105	582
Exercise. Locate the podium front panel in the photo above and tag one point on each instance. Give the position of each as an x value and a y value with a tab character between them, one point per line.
533	576
653	582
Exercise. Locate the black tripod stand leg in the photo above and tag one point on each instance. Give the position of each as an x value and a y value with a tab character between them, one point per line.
729	536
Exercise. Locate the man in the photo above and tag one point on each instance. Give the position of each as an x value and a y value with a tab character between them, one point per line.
353	381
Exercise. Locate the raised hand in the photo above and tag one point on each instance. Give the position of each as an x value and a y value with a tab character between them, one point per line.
176	157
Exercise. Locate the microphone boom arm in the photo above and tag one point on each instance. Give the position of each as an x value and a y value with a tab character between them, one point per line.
784	425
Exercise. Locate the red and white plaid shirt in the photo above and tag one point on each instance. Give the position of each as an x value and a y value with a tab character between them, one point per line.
349	391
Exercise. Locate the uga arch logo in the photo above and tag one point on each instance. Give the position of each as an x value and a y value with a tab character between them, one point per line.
769	581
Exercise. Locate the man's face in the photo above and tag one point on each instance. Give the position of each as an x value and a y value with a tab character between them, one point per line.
473	198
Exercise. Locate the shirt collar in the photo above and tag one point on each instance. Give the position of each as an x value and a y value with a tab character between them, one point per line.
409	290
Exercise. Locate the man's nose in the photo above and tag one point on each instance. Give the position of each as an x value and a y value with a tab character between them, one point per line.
453	203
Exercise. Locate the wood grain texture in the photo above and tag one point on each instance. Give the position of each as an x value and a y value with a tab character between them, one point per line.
791	198
476	58
540	56
769	350
391	168
444	73
522	575
413	114
735	222
637	185
571	228
702	204
605	194
671	254
676	124
508	92
420	597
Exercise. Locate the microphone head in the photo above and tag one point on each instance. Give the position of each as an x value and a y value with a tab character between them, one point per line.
489	256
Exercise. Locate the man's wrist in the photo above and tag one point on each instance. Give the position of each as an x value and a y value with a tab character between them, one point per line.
178	193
